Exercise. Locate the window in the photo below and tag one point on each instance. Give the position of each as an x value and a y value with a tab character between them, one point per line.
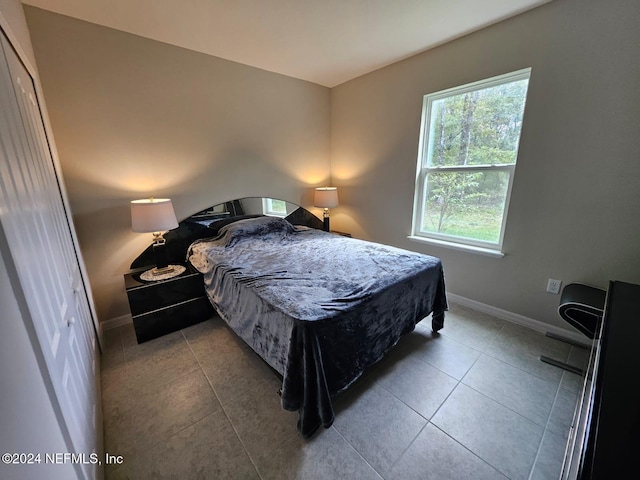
468	150
277	208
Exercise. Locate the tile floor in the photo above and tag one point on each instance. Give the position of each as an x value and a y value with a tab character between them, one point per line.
472	403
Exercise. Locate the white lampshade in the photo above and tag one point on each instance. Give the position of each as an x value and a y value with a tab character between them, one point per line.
152	215
326	197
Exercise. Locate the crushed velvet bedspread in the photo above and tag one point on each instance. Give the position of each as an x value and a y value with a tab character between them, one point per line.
318	307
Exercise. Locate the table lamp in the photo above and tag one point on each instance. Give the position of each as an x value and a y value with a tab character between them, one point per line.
326	198
155	215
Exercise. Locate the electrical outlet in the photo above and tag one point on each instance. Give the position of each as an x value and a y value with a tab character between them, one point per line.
553	286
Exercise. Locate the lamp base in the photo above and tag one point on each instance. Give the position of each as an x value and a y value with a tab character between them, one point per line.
160	253
162	270
163	273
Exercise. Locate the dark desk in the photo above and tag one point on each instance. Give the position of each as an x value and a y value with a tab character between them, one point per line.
604	442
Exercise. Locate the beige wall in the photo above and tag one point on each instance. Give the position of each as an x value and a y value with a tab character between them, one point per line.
574	208
135	117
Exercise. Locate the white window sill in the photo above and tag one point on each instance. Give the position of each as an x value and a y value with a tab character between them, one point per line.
458	246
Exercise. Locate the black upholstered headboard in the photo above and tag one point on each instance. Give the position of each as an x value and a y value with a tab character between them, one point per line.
206	223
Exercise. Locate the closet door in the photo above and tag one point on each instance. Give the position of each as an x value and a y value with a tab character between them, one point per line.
35	225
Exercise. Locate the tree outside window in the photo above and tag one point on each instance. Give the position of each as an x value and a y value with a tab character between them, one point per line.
469	147
273	207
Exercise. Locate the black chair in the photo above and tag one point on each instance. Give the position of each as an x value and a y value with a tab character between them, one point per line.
582	307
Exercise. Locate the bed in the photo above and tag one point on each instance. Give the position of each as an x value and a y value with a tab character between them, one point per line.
318	307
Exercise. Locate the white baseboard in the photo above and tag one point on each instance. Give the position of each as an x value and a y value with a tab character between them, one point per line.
116	322
536	325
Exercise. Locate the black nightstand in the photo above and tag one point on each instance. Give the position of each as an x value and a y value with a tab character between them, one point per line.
164	306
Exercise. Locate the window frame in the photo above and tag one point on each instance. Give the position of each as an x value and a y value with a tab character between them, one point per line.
423	168
267	207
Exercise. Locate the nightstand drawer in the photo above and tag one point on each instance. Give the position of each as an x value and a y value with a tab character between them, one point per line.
153	296
170	319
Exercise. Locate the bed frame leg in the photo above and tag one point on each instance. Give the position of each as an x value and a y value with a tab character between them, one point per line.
437	321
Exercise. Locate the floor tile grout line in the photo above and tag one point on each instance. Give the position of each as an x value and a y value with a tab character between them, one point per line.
554	384
413	409
495	336
543	427
439	369
517	366
294	435
468	344
395	462
427	420
511	409
419	358
454	389
224	410
559	388
555	398
150	384
126	367
461	381
471	451
356	450
496	401
402	401
164	385
521	369
458	381
166	439
120	347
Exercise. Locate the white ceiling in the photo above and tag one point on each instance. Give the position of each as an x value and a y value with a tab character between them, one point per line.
323	41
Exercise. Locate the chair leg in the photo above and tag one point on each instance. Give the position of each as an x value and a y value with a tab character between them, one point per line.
563	365
558	363
566	340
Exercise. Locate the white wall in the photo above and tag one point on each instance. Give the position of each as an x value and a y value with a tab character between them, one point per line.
13	14
135	117
574	208
28	423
